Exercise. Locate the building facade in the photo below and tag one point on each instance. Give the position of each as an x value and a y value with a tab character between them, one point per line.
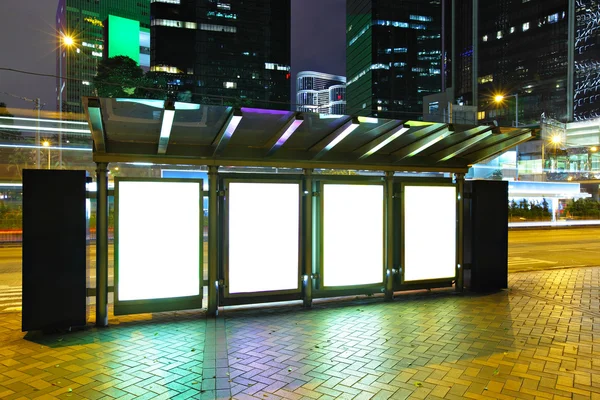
394	56
224	52
84	22
321	93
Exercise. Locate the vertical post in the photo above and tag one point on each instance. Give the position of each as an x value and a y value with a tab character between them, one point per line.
60	89
307	238
389	235
454	58
61	116
38	105
517	146
475	69
460	183
213	280
102	245
571	61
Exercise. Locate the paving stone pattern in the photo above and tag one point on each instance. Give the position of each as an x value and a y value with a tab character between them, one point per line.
533	341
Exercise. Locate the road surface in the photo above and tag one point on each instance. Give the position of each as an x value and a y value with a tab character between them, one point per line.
528	250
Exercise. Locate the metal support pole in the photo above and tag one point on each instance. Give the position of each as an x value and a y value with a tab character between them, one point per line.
60	90
213	280
38	105
308	237
102	245
389	235
475	58
460	183
571	61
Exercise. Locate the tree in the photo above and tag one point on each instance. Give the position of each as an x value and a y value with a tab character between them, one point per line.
118	76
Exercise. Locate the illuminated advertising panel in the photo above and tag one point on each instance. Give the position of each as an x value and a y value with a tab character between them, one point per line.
264	223
429	232
352	234
158	239
123	38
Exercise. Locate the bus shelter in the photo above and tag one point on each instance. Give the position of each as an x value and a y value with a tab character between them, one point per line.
274	237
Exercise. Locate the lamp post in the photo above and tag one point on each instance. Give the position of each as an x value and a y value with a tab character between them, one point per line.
499	98
556	140
46	143
64	40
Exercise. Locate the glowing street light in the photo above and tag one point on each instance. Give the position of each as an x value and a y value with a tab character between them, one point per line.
46	143
556	140
68	41
593	149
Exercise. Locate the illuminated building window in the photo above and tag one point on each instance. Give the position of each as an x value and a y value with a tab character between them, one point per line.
165	68
166	1
173	24
230	85
486	78
223	6
218	28
481	115
525	26
421	18
87	83
499	35
512	29
553	18
97	54
355	38
485	38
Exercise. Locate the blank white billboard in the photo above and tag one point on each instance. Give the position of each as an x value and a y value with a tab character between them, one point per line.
429	232
158	240
264	223
352	234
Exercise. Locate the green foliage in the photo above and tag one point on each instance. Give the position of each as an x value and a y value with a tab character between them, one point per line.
10	217
118	77
524	210
584	209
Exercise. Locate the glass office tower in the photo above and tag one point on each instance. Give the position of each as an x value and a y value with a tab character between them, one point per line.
224	52
394	56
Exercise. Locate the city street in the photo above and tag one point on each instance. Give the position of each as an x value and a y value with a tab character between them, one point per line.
528	250
539	249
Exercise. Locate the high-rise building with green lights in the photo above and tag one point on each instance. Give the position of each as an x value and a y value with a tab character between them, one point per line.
82	30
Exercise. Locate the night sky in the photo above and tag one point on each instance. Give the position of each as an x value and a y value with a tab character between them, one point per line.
27	43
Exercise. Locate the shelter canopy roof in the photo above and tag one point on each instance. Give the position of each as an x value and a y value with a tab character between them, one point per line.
145	130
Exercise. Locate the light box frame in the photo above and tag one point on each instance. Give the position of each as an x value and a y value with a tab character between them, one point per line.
319	228
228	298
123	307
402	241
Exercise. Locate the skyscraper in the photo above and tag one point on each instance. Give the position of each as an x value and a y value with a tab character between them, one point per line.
224	52
543	51
83	22
321	93
394	56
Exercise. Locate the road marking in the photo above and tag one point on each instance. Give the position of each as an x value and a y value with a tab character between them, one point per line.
13	309
524	261
11	304
9	298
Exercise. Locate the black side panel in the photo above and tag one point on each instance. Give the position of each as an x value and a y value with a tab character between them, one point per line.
488	220
54	249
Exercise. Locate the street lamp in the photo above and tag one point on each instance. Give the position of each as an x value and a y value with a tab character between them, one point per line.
67	41
46	143
499	98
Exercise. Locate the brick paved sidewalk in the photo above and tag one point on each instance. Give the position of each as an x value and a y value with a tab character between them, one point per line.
535	340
